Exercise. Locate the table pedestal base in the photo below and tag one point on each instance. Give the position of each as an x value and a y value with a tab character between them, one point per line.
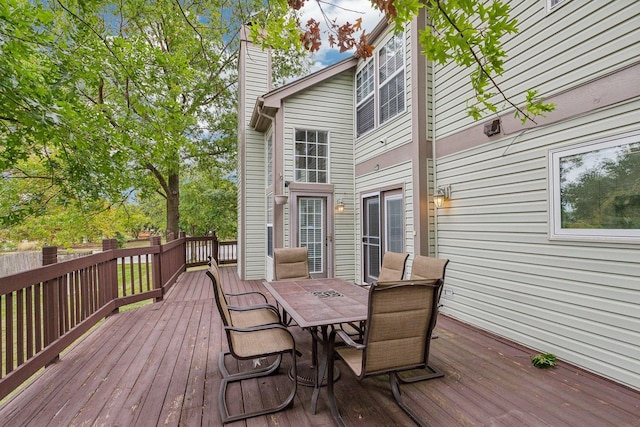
306	375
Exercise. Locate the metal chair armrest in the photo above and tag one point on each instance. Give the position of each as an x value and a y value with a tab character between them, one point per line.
347	339
249	293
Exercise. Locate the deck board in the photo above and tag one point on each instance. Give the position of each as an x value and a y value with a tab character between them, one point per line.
158	365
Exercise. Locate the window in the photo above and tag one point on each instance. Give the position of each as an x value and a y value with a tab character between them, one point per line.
551	4
379	100
391	77
269	160
311	156
365	108
595	190
270	225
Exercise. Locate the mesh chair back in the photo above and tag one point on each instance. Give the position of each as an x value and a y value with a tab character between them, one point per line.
290	263
425	267
393	265
218	292
399	325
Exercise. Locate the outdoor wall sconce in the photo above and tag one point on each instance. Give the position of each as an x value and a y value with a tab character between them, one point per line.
339	206
492	128
442	193
281	199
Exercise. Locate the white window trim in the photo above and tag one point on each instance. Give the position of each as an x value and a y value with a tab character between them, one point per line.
403	49
371	94
295	169
556	232
377	85
552	7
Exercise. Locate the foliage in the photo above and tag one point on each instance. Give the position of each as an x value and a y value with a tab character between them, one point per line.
60	226
544	361
466	32
103	101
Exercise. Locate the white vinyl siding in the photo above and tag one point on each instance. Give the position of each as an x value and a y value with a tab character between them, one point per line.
397	130
251	194
578	300
577	43
397	176
323	107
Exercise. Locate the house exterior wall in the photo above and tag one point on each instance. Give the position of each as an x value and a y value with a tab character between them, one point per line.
576	299
397	154
253	65
327	106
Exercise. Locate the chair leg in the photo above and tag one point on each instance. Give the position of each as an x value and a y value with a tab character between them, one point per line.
222	401
258	372
431	374
330	391
395	390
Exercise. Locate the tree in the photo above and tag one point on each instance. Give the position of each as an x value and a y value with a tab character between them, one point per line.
467	32
102	100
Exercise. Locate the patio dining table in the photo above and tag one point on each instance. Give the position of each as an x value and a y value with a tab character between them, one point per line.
317	304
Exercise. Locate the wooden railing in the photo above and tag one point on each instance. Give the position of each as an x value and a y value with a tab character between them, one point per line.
46	309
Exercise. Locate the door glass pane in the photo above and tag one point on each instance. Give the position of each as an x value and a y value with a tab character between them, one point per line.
371	238
311	233
394	232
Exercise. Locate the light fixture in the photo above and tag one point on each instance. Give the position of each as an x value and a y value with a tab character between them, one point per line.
281	199
339	206
442	193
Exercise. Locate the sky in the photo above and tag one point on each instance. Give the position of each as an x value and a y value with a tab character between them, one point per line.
343	10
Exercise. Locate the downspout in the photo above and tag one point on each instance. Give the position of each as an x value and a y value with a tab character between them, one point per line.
434	156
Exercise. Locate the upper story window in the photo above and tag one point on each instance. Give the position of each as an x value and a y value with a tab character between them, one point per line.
553	3
595	190
380	86
311	160
365	105
391	78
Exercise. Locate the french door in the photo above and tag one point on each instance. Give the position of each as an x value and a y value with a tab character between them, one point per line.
371	238
312	232
382	230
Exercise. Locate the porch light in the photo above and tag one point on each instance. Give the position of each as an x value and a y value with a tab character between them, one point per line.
442	193
281	199
339	206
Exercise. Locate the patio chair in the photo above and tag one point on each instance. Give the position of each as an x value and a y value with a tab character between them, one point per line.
214	267
290	263
250	336
243	317
400	321
393	265
425	267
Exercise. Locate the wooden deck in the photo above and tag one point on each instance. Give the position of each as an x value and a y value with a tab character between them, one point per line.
157	365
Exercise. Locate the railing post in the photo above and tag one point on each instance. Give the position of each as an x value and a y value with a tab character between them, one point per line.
214	248
157	265
109	277
51	307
